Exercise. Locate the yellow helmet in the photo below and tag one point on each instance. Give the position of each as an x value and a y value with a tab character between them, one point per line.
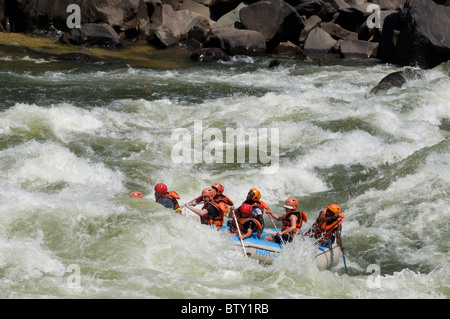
256	194
334	208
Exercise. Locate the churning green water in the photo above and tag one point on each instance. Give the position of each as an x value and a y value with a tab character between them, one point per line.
77	139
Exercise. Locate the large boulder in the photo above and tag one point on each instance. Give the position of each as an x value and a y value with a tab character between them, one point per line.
325	10
319	41
423	36
338	32
358	49
230	18
238	41
96	34
176	26
276	20
353	18
220	7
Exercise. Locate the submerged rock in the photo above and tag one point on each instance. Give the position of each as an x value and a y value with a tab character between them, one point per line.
396	79
209	55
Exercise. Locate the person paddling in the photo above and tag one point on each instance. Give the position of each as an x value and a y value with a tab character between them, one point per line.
213	211
246	223
258	207
327	227
166	198
220	196
292	222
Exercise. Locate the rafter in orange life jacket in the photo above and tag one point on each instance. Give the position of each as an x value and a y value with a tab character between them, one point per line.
301	217
174	197
241	223
323	231
222	208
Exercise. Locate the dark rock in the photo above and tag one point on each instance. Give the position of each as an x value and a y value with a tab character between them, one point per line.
31	15
220	7
396	79
238	42
209	55
96	34
354	17
338	32
423	38
390	4
230	18
326	11
311	23
198	28
276	20
274	63
358	49
175	26
191	44
287	48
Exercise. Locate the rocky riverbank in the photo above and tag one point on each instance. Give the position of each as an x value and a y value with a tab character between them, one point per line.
404	32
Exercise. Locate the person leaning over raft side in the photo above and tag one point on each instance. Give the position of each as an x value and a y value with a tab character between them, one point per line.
292	222
327	227
258	206
220	196
212	212
167	199
246	223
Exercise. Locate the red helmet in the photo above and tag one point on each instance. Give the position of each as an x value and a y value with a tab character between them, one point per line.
136	195
246	209
161	188
209	192
219	188
291	203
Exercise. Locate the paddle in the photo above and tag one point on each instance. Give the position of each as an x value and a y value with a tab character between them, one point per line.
239	232
343	254
270	216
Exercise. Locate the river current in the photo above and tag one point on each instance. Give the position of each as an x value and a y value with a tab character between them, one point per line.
76	139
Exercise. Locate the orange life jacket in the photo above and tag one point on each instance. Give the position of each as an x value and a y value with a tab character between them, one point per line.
324	231
301	216
223	198
174	197
222	208
242	221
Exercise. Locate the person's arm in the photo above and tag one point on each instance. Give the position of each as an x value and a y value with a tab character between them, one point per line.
200	212
275	216
197	200
247	234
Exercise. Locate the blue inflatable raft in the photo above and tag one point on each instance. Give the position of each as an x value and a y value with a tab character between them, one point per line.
266	252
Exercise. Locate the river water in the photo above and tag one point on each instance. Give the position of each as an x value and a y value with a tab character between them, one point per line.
77	139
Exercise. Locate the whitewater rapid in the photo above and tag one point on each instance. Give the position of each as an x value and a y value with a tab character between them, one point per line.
76	141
